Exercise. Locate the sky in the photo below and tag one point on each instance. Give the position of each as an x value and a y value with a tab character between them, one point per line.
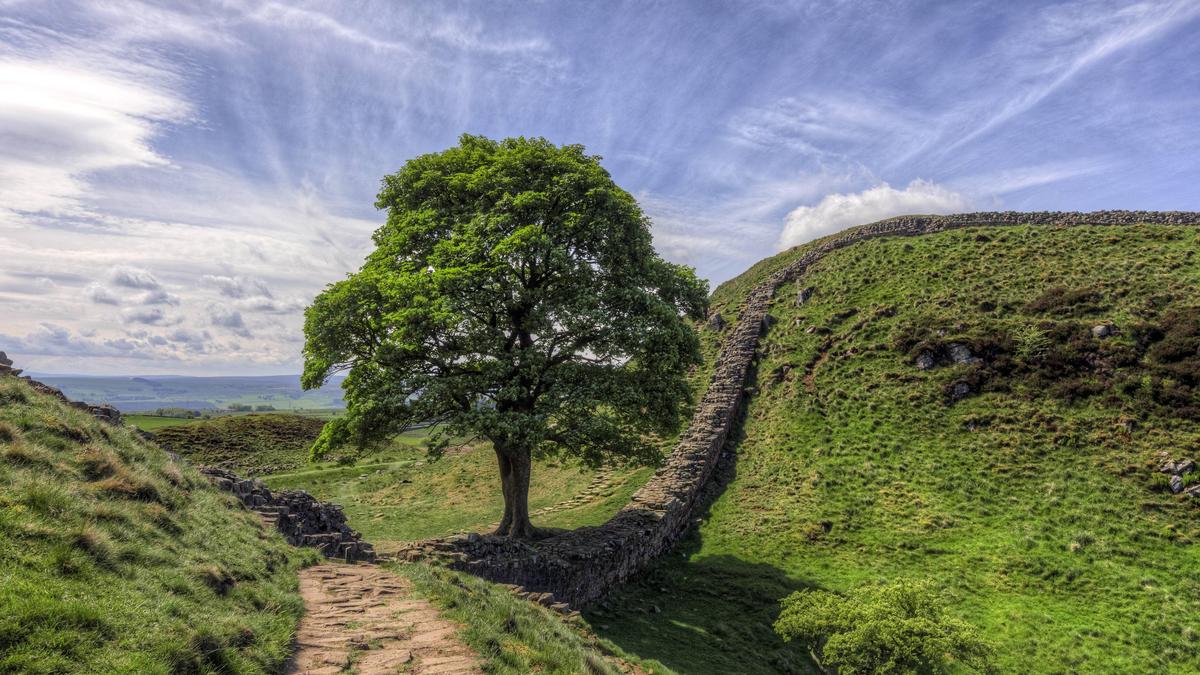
179	180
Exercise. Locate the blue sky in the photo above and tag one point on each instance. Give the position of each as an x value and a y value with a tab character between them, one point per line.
178	180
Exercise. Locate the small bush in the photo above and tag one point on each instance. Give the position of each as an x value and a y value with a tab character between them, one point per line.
1066	302
900	627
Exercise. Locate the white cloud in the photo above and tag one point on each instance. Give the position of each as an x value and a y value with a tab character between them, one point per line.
838	211
229	318
149	316
238	287
160	297
133	277
100	294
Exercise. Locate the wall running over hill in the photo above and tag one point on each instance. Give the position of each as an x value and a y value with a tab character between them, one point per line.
580	566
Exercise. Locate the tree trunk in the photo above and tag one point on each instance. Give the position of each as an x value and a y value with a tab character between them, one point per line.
515	465
505	482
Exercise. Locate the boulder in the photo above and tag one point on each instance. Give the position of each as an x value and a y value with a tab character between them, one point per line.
1176	485
961	354
716	321
959	391
803	296
1102	331
925	361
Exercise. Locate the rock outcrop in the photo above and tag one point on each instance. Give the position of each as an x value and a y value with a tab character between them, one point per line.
580	566
300	517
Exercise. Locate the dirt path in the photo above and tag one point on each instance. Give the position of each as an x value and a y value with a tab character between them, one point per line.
363	619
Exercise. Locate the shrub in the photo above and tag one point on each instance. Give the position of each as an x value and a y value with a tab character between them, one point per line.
899	627
1032	343
1065	302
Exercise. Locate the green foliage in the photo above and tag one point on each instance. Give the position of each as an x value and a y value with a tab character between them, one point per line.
513	294
108	550
1032	343
899	627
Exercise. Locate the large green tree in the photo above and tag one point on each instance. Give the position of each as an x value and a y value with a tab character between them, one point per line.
513	295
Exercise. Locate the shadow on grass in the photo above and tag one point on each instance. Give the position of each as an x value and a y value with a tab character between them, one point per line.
712	615
705	615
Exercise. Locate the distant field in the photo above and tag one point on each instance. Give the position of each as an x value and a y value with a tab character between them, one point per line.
140	394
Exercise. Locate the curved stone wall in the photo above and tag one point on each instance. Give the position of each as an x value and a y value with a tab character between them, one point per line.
580	566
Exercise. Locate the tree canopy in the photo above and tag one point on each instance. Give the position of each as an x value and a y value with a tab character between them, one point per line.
513	294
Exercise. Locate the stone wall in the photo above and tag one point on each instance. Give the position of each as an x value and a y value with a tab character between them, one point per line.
300	517
578	567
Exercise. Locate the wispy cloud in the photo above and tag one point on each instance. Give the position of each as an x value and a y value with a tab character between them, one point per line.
160	160
1068	40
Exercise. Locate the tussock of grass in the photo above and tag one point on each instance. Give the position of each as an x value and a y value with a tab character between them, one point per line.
114	559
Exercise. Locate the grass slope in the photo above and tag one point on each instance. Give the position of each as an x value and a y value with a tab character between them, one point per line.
251	444
1029	502
115	559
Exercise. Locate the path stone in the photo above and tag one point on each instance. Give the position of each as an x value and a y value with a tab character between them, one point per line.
363	619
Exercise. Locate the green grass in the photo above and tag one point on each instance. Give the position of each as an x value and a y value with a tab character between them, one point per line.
515	636
115	559
400	495
1040	518
252	444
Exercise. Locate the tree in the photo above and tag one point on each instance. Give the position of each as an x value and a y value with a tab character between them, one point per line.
513	295
890	628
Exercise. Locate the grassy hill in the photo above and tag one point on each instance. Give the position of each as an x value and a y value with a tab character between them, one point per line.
251	444
115	559
1020	477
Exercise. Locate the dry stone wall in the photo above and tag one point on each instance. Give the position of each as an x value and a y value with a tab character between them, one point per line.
300	517
578	567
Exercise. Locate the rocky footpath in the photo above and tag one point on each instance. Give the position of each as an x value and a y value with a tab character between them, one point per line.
300	517
578	567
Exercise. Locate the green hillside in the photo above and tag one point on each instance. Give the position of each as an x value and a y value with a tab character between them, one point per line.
115	559
251	444
1022	481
